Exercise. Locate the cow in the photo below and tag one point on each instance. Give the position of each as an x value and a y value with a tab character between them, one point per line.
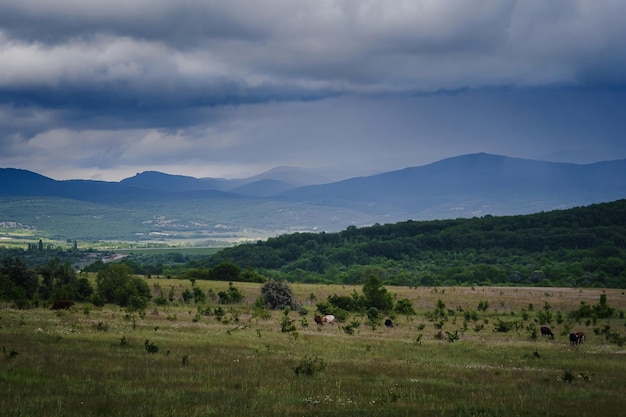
581	337
576	338
329	318
545	331
388	323
61	305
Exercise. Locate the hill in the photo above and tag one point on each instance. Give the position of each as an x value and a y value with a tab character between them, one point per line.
582	246
473	185
157	205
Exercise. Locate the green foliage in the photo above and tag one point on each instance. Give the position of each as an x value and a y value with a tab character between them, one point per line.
17	281
483	305
286	324
374	317
503	326
581	247
376	295
404	306
116	285
352	303
452	336
351	327
225	271
601	310
232	295
310	365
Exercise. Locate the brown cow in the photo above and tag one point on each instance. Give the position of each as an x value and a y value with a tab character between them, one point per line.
581	337
329	318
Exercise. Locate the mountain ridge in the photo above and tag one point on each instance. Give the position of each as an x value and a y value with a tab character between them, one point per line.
471	185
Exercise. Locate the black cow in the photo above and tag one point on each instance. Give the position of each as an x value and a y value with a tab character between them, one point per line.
581	337
576	338
388	323
545	331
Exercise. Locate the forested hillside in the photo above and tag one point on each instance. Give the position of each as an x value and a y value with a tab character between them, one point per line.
584	246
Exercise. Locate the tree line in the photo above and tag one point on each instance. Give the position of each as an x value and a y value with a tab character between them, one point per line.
578	247
583	246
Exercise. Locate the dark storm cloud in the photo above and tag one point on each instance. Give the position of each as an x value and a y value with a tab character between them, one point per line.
238	86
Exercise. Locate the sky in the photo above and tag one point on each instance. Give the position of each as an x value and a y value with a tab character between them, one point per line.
105	90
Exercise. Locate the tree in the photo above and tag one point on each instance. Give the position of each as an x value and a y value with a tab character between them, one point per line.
59	281
17	281
376	294
117	285
226	271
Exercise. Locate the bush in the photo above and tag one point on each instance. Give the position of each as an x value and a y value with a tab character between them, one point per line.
309	366
231	296
405	306
117	285
278	295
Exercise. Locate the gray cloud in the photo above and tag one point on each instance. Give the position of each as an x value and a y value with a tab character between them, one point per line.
227	88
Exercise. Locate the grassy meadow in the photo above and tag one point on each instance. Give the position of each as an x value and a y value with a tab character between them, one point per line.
173	360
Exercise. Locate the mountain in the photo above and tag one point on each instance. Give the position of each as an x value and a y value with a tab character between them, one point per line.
471	185
154	203
262	188
160	181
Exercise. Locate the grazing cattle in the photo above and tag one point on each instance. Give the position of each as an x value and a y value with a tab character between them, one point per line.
61	305
545	331
581	337
576	338
388	323
329	318
318	319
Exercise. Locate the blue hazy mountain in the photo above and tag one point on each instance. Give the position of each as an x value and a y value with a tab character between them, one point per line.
463	186
473	184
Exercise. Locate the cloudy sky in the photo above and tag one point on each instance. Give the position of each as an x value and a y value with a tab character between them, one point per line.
103	90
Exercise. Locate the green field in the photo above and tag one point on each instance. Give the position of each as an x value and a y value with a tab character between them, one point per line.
90	361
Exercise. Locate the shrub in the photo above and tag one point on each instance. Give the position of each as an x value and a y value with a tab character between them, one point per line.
374	318
309	366
151	347
231	296
278	295
286	324
503	326
452	337
351	327
405	306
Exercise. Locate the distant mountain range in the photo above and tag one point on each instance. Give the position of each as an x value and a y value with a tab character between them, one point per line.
287	199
